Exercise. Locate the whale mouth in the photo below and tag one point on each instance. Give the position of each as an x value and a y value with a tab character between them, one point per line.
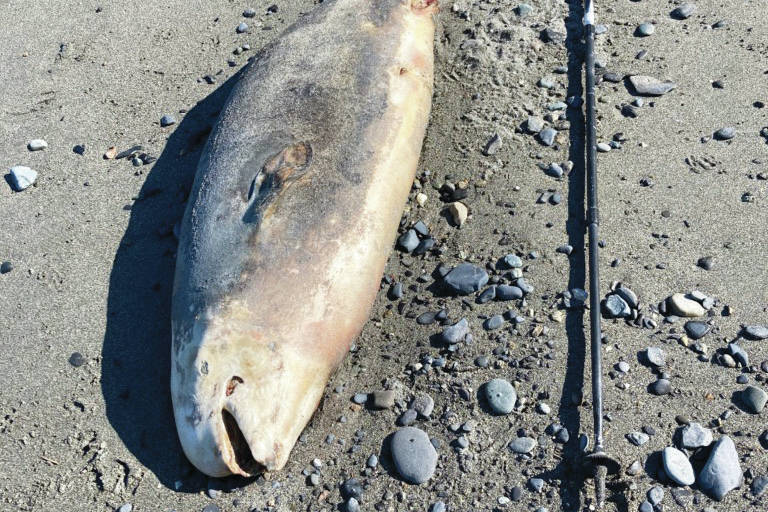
246	464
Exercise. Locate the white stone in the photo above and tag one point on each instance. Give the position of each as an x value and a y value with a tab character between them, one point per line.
22	177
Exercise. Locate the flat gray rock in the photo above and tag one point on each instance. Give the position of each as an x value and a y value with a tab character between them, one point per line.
753	399
656	356
677	466
649	86
680	305
615	307
638	438
683	12
696	330
694	435
22	177
522	445
455	333
466	278
722	472
755	332
501	396
413	454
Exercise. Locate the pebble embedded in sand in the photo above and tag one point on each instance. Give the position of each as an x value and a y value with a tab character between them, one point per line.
650	86
458	212
500	395
37	145
22	177
682	306
413	455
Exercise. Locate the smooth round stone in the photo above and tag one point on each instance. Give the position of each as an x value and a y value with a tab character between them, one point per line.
753	399
722	472
126	507
487	295
351	488
352	505
622	366
37	145
242	27
628	295
413	454
360	398
739	354
507	292
438	506
677	466
77	360
759	485
755	332
682	306
694	435
501	396
645	29
554	170
661	387
408	418
167	120
656	356
523	445
6	267
372	461
536	484
725	133
547	136
22	177
602	147
466	278
524	285
493	323
423	404
683	12
696	330
645	506
249	13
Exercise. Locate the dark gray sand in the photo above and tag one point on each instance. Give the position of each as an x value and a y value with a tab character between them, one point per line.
86	420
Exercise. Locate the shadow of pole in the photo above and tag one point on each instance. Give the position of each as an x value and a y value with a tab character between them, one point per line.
136	353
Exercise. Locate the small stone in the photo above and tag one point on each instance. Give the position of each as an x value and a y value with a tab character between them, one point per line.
677	466
167	120
649	86
241	28
645	29
725	133
6	267
661	387
212	507
423	404
79	149
543	408
739	354
408	418
372	461
534	124
507	292
511	261
546	83
622	366
753	399
408	241
638	438
722	471
493	323
536	484
655	495
554	170
524	285
645	506
22	177
635	468
37	145
352	505
759	485
683	12
455	333
615	307
125	507
110	153
523	445
682	306
523	10
351	488
696	330
755	332
438	506
547	136
414	455
694	435
383	399
602	147
493	145
466	278
249	13
77	360
360	398
458	212
706	262
500	395
656	356
628	295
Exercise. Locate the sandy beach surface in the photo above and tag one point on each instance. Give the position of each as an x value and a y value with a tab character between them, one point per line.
86	420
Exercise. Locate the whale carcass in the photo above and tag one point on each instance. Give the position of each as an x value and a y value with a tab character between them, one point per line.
289	224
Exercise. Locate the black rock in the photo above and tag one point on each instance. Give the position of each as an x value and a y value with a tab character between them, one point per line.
466	278
696	330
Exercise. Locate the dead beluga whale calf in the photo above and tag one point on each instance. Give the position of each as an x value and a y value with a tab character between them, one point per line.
289	224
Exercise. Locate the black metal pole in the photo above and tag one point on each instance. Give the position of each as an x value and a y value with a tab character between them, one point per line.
601	463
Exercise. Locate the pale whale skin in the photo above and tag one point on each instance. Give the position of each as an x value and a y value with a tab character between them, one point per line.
289	224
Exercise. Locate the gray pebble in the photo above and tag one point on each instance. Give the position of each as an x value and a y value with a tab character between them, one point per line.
22	177
725	133
167	120
437	506
645	506
655	495
423	405
628	295
650	86
455	333
694	435
722	472
372	461
683	12
242	27
656	356
615	307
352	505
696	330
622	366
6	267
753	399
511	261
486	295
759	485
534	124
408	241
413	455
547	136
677	466
524	285
507	292
523	10
523	445
408	418
501	396
125	507
661	387
37	145
638	438
645	29
739	354
466	278
493	145
249	13
536	484
360	398
755	332
493	323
